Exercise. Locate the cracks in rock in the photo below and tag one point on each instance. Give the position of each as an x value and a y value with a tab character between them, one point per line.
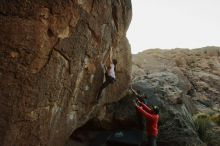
93	33
48	60
77	83
114	16
124	12
115	21
49	56
93	3
59	52
65	57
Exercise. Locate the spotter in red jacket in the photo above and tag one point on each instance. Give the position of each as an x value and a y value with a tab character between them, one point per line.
152	119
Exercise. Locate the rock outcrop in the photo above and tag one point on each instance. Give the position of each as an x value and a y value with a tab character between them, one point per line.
198	69
182	82
50	65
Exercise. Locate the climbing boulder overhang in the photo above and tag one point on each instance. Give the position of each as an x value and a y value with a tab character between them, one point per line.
50	65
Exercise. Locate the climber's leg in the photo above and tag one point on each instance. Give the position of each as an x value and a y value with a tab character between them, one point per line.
104	85
109	80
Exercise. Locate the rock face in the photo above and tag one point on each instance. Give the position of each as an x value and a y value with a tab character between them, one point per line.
198	72
182	82
50	65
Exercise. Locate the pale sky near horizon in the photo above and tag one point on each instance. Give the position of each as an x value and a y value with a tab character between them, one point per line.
168	24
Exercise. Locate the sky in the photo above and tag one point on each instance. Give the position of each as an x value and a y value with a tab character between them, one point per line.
169	24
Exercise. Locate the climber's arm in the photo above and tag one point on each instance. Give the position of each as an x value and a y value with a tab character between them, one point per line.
135	92
146	108
146	114
106	57
110	55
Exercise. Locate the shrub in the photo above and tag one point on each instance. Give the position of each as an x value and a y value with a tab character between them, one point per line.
202	123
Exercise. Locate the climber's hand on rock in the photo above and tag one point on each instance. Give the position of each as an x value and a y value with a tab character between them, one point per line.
138	101
135	103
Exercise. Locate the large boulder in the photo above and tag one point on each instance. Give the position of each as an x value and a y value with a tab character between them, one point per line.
166	90
182	82
50	65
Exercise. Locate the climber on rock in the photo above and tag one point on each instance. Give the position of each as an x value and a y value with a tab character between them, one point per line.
152	116
110	77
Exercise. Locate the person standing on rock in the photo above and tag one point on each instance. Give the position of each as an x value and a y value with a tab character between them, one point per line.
110	77
152	116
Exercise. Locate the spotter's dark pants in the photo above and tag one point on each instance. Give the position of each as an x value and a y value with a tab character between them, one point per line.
152	141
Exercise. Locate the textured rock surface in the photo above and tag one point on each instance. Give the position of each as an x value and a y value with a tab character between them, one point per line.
50	72
214	136
176	126
198	69
182	83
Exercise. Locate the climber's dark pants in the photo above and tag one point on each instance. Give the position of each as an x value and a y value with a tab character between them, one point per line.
152	141
109	80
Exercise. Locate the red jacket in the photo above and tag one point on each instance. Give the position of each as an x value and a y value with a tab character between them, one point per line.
152	119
